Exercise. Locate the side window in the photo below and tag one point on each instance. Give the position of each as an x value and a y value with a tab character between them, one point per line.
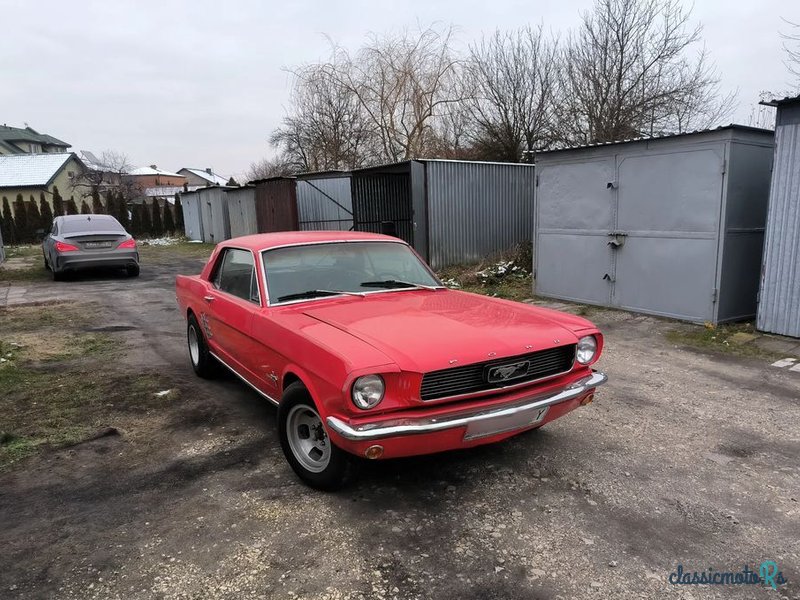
54	229
236	275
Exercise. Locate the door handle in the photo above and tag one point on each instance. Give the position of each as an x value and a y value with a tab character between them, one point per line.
208	298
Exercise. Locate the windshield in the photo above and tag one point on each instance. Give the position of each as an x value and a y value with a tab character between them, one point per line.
318	270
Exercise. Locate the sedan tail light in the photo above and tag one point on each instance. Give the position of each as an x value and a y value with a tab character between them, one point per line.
64	247
131	243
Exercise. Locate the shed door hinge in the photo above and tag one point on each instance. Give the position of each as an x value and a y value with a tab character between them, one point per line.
537	181
724	165
714	295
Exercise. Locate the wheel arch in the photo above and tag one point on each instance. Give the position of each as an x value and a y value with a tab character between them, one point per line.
294	374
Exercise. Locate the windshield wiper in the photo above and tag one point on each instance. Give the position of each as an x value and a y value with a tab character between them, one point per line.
316	294
397	283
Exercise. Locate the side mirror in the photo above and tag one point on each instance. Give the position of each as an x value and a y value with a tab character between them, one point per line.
40	234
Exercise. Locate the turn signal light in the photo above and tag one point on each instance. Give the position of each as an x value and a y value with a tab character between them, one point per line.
63	247
374	452
131	243
587	399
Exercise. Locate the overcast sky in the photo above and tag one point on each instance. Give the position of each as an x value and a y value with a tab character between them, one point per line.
201	84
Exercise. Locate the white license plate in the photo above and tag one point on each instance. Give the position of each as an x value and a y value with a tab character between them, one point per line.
497	425
97	244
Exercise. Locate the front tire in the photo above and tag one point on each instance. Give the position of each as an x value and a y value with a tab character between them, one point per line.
203	363
133	270
306	445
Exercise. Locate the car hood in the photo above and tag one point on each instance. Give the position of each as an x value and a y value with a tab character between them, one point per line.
429	330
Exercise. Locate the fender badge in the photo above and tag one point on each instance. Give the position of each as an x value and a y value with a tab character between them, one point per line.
556	341
453	361
492	354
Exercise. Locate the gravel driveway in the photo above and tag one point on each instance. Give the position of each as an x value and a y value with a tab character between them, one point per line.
685	458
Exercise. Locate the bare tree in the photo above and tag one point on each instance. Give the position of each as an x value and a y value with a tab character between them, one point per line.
405	85
628	73
280	166
104	173
791	47
512	105
325	128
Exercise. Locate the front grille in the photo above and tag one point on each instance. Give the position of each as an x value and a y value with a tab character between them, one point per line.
474	378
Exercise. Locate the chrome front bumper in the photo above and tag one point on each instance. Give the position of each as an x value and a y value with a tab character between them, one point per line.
522	409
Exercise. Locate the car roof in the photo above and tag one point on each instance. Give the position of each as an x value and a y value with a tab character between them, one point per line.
265	241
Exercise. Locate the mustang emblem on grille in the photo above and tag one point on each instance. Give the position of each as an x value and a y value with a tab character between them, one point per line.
501	373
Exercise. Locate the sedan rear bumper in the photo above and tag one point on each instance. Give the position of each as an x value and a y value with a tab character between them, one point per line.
88	260
512	417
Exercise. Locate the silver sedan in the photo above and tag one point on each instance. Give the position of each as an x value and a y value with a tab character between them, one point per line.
78	242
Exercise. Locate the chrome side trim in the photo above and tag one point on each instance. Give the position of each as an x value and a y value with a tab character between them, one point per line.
405	426
232	370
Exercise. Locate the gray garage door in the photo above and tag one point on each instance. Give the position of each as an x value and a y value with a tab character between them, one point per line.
574	216
668	208
636	232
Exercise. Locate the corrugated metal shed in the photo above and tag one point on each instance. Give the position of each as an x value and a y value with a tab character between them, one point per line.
779	298
382	201
276	204
672	226
214	214
451	212
324	201
192	216
476	209
242	211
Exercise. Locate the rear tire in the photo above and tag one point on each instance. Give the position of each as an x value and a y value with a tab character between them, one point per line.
57	275
306	445
46	265
203	363
133	270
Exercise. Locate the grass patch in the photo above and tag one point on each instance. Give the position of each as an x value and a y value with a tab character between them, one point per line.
505	275
24	251
44	405
736	339
24	263
181	249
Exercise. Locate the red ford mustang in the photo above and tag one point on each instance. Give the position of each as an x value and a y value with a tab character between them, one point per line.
367	354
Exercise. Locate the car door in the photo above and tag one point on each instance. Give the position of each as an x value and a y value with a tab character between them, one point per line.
232	300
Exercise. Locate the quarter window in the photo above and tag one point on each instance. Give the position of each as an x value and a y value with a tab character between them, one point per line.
236	275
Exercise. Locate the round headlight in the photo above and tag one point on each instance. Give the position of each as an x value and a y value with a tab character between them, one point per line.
587	348
368	391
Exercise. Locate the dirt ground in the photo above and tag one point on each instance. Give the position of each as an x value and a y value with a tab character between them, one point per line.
686	457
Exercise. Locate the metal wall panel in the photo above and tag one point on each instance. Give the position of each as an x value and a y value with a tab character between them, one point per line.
779	303
419	209
192	218
383	197
574	209
2	249
477	209
747	197
216	226
276	205
324	204
668	205
241	205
